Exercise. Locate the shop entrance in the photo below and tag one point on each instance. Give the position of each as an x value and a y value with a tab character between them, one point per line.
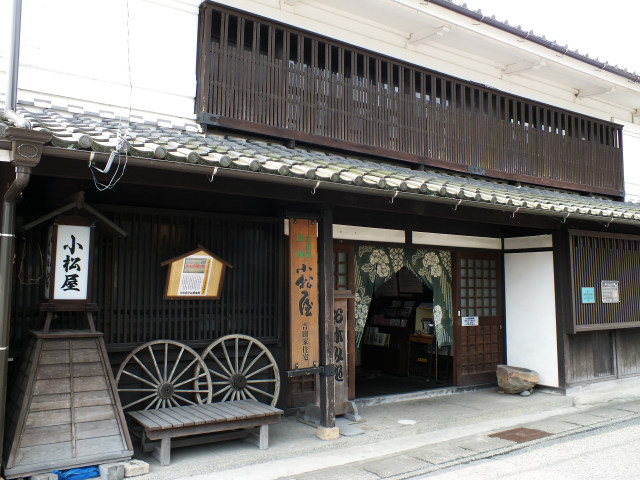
420	318
398	351
479	321
402	317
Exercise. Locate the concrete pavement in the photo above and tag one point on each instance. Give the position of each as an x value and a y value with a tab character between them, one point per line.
403	438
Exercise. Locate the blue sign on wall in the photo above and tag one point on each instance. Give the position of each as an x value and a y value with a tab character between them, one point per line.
588	295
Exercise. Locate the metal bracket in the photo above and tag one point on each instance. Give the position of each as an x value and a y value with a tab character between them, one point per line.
213	174
208	119
327	370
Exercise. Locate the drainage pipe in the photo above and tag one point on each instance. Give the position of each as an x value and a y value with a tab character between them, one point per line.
14	57
7	245
7	228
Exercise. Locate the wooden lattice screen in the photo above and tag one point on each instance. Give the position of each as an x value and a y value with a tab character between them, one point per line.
129	281
598	258
266	77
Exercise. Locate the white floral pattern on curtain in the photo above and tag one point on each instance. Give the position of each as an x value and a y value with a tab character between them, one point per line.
375	265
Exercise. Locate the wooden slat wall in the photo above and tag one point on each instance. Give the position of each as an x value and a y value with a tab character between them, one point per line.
129	281
264	73
591	357
628	350
600	256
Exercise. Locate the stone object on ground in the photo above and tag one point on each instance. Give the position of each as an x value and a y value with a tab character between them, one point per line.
111	471
516	379
327	433
133	468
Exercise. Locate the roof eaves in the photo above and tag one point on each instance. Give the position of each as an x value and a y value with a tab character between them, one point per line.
79	136
491	21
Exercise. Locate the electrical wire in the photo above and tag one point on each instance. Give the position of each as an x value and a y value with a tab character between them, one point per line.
121	140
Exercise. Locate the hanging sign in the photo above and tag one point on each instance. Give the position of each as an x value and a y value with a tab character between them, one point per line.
69	263
303	292
610	291
341	388
196	274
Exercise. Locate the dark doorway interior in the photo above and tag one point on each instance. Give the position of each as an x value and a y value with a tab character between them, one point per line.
398	352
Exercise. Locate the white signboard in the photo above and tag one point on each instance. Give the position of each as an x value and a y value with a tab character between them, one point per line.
470	321
71	277
610	291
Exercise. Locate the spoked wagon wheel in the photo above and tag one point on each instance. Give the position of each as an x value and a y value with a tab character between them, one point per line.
159	374
242	368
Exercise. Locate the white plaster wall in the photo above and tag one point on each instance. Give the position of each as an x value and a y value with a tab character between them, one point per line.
107	56
631	152
531	314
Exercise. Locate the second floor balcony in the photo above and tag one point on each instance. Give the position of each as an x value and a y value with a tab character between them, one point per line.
269	78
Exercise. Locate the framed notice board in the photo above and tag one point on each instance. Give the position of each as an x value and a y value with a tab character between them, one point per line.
197	274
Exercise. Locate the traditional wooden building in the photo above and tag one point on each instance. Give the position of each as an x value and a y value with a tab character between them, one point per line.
405	204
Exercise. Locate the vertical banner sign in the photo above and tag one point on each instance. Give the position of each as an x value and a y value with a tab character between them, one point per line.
303	292
70	263
340	354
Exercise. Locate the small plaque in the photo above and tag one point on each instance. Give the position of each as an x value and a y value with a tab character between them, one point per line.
197	274
470	321
588	295
610	291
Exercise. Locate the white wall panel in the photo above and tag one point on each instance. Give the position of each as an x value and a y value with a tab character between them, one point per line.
463	241
537	241
531	314
348	232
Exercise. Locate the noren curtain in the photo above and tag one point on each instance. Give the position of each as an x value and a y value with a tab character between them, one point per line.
376	265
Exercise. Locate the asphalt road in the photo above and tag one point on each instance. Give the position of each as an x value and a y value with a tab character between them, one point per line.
611	452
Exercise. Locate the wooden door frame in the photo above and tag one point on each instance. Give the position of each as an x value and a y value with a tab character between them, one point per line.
457	327
349	249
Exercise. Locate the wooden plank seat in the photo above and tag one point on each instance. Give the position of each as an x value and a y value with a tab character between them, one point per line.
239	418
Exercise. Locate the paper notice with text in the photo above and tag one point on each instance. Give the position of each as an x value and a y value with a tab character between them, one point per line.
194	276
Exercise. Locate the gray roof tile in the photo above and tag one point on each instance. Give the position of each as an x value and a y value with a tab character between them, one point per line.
83	131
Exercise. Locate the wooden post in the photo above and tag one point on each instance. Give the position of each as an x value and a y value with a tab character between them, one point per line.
325	254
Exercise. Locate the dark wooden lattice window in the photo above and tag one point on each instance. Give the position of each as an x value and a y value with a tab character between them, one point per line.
343	267
129	281
597	258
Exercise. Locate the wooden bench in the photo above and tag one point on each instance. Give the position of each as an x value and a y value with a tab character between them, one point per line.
240	418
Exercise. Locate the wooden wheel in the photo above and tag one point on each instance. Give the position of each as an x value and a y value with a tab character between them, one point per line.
160	374
242	368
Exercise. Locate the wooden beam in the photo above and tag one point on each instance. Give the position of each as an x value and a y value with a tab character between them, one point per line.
325	257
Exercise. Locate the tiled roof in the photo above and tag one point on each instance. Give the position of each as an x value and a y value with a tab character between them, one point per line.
81	131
